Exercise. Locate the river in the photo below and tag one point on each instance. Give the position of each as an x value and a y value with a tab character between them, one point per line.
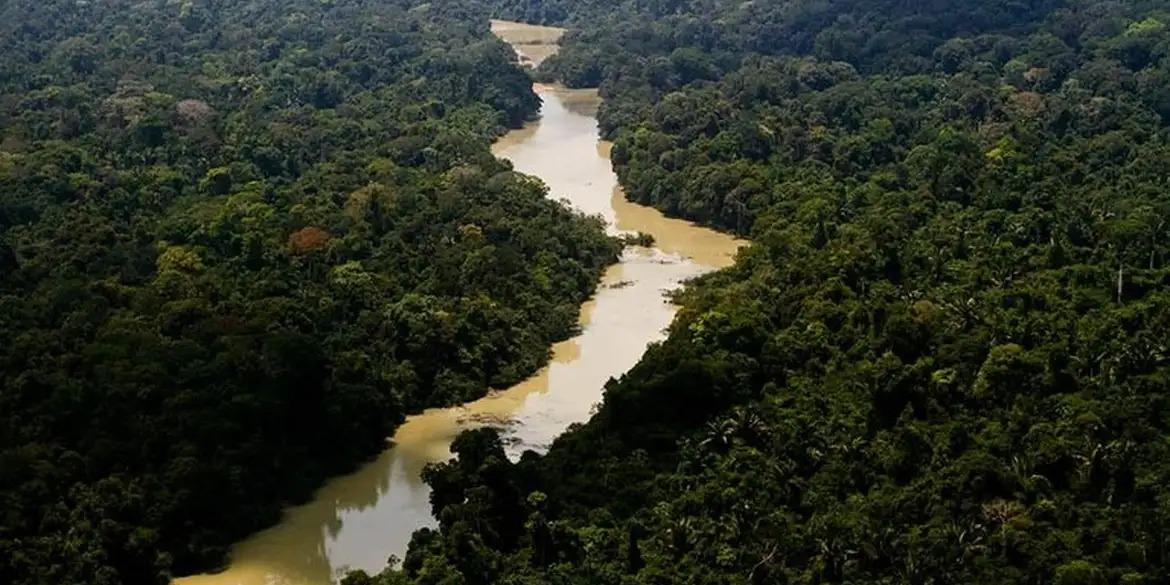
357	521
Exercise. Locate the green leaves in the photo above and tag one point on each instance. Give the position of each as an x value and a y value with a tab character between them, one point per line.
939	360
238	244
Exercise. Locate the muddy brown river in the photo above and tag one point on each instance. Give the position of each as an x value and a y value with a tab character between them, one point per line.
359	520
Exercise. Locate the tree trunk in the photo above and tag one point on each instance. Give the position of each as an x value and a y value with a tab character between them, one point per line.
1120	273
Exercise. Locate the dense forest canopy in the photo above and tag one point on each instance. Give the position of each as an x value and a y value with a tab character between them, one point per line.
942	361
238	242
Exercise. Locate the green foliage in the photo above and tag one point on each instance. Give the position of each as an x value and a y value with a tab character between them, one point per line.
238	243
941	361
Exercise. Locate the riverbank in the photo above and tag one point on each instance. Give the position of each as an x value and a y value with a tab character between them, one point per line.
359	520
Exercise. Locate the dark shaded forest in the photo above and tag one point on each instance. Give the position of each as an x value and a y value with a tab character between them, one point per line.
942	361
238	242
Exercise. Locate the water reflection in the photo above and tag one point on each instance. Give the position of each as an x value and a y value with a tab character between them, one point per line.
359	520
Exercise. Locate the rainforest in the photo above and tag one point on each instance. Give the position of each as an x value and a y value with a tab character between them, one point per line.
242	241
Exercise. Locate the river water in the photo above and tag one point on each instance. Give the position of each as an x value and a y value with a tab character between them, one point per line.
357	521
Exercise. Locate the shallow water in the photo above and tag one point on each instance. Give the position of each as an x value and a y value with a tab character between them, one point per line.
357	521
533	44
